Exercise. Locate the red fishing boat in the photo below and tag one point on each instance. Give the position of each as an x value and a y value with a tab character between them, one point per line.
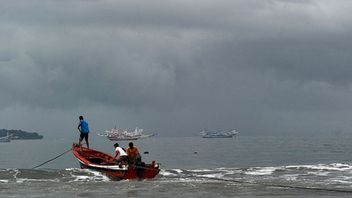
96	160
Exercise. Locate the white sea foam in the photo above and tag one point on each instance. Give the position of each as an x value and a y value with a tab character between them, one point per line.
166	173
332	167
72	169
186	179
4	181
16	172
22	180
199	170
318	173
223	170
261	171
217	175
178	170
233	170
86	175
338	181
229	171
99	176
290	177
82	178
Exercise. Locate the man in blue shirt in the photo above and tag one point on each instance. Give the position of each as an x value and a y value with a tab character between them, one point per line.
84	130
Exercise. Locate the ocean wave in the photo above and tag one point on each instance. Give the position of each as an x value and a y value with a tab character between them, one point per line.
86	175
261	170
334	176
167	173
332	166
326	175
66	175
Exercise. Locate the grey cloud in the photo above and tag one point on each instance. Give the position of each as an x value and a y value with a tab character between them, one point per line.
182	66
305	59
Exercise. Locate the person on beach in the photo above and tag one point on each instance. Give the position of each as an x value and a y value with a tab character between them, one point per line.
84	130
120	154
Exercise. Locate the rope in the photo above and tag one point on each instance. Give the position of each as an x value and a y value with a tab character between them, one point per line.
52	159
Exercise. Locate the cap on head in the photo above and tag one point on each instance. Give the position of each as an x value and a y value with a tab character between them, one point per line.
116	145
80	117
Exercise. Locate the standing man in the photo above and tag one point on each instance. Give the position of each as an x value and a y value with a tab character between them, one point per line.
84	130
133	153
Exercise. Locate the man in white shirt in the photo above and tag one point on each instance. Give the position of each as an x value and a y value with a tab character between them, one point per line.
120	154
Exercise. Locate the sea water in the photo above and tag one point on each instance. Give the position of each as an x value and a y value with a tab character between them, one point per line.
245	166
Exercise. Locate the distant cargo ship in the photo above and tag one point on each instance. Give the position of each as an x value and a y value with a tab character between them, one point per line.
219	134
6	138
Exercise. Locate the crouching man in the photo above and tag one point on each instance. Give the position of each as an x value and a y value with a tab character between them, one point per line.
120	154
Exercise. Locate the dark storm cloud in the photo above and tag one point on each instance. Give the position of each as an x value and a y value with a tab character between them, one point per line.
319	58
179	66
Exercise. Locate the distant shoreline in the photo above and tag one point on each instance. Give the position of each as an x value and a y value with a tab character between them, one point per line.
20	134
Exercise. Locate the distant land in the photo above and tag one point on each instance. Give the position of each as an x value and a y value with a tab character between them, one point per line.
20	135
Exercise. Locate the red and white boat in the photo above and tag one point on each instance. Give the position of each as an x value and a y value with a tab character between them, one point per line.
96	160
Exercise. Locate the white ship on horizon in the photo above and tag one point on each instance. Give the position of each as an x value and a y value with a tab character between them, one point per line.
6	138
116	134
219	134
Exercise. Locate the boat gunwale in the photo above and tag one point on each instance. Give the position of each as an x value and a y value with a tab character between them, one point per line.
82	159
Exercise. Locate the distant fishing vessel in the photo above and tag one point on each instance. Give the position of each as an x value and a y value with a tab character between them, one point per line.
6	138
219	134
124	135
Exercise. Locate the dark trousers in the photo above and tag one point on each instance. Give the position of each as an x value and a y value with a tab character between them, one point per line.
122	159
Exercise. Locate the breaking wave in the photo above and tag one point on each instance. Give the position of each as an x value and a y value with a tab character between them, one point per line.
334	176
66	175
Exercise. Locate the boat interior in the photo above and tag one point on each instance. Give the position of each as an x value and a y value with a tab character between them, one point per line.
97	157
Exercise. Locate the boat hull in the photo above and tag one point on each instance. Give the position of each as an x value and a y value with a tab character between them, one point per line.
122	139
5	140
218	136
102	162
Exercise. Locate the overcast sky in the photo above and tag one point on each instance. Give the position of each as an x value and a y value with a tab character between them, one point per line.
176	67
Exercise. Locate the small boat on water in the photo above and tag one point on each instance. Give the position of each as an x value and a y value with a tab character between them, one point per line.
6	138
103	162
219	134
124	135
